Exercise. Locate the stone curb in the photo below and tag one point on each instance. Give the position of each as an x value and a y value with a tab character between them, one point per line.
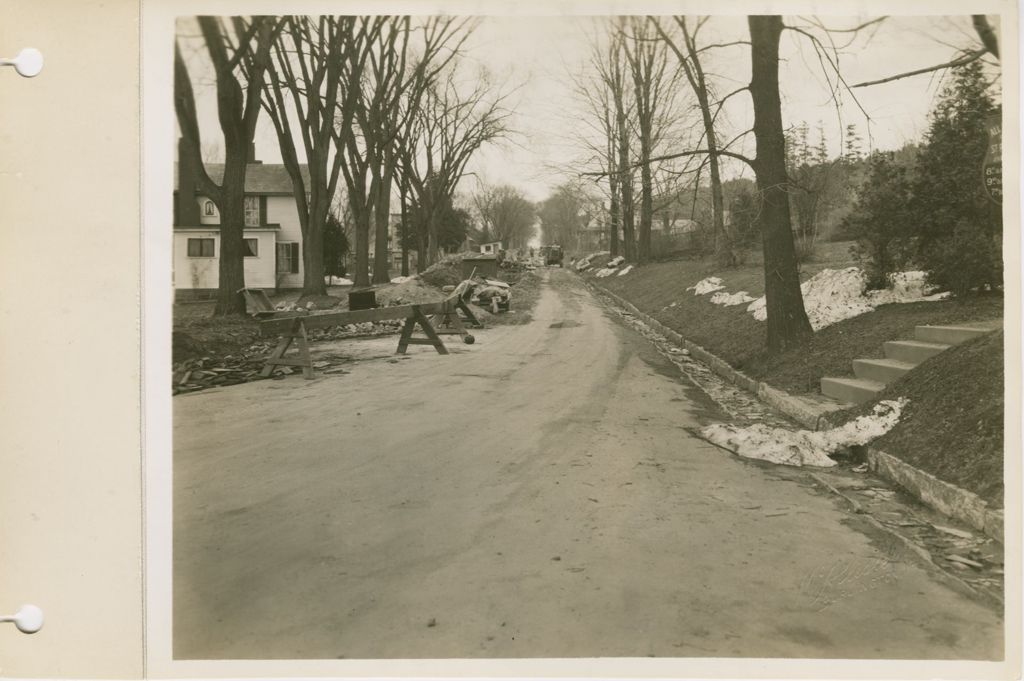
944	497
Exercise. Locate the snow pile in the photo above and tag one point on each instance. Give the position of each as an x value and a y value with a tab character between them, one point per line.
626	270
616	261
400	280
805	447
705	286
831	296
583	264
338	281
605	272
729	299
906	287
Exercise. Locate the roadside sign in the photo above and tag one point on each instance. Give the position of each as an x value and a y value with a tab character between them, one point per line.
992	169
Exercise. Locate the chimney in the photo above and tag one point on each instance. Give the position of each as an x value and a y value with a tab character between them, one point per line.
252	154
187	207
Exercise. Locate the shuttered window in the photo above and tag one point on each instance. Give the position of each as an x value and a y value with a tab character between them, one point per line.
288	258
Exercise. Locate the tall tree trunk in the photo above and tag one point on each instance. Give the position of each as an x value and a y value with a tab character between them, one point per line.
312	248
787	320
382	217
421	244
646	197
626	186
613	210
231	270
403	235
361	218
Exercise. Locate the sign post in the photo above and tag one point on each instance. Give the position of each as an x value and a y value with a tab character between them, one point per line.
992	168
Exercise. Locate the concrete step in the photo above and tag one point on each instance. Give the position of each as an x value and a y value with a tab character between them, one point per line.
949	335
881	370
912	352
850	390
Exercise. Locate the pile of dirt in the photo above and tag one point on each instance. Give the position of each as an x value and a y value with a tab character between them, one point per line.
953	424
411	291
445	272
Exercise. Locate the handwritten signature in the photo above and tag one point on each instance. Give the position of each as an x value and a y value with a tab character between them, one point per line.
844	578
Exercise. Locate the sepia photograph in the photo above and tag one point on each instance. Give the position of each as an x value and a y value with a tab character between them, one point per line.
588	335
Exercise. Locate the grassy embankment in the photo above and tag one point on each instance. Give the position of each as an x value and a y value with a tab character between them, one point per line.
953	427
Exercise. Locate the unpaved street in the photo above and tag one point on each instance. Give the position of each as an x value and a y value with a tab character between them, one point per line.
536	494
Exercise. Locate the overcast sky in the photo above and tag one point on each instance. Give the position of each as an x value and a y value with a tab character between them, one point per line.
537	55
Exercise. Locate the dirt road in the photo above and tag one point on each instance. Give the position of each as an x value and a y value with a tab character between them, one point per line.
536	494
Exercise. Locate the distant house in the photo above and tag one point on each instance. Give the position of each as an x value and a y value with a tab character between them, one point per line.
273	236
491	248
677	226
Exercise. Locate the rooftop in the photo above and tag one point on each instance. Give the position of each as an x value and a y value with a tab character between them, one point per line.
260	178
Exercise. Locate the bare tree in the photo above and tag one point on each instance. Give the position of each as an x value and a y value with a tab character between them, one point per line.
507	214
986	35
690	59
317	67
240	53
787	320
404	61
654	86
450	125
598	137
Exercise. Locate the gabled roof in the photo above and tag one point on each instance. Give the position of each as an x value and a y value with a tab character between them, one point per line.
260	178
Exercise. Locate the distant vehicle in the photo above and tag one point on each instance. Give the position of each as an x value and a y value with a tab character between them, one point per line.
552	255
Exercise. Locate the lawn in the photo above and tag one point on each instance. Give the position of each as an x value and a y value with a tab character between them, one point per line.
732	333
953	424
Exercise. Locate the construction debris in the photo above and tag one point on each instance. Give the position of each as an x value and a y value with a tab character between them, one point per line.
210	372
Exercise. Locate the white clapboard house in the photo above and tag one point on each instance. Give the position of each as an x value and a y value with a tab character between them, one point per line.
273	237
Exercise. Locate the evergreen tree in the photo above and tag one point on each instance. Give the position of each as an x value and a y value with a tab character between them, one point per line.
852	145
880	220
958	229
335	247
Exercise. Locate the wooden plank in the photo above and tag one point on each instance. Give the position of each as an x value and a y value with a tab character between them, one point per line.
296	334
282	347
469	314
406	337
282	323
428	329
256	298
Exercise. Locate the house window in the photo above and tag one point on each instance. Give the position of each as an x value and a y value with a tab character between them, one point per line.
252	248
252	211
209	210
288	258
200	248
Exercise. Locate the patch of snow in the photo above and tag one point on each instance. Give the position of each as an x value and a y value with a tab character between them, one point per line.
730	299
339	281
705	286
805	447
831	296
605	272
401	280
626	270
616	261
906	287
